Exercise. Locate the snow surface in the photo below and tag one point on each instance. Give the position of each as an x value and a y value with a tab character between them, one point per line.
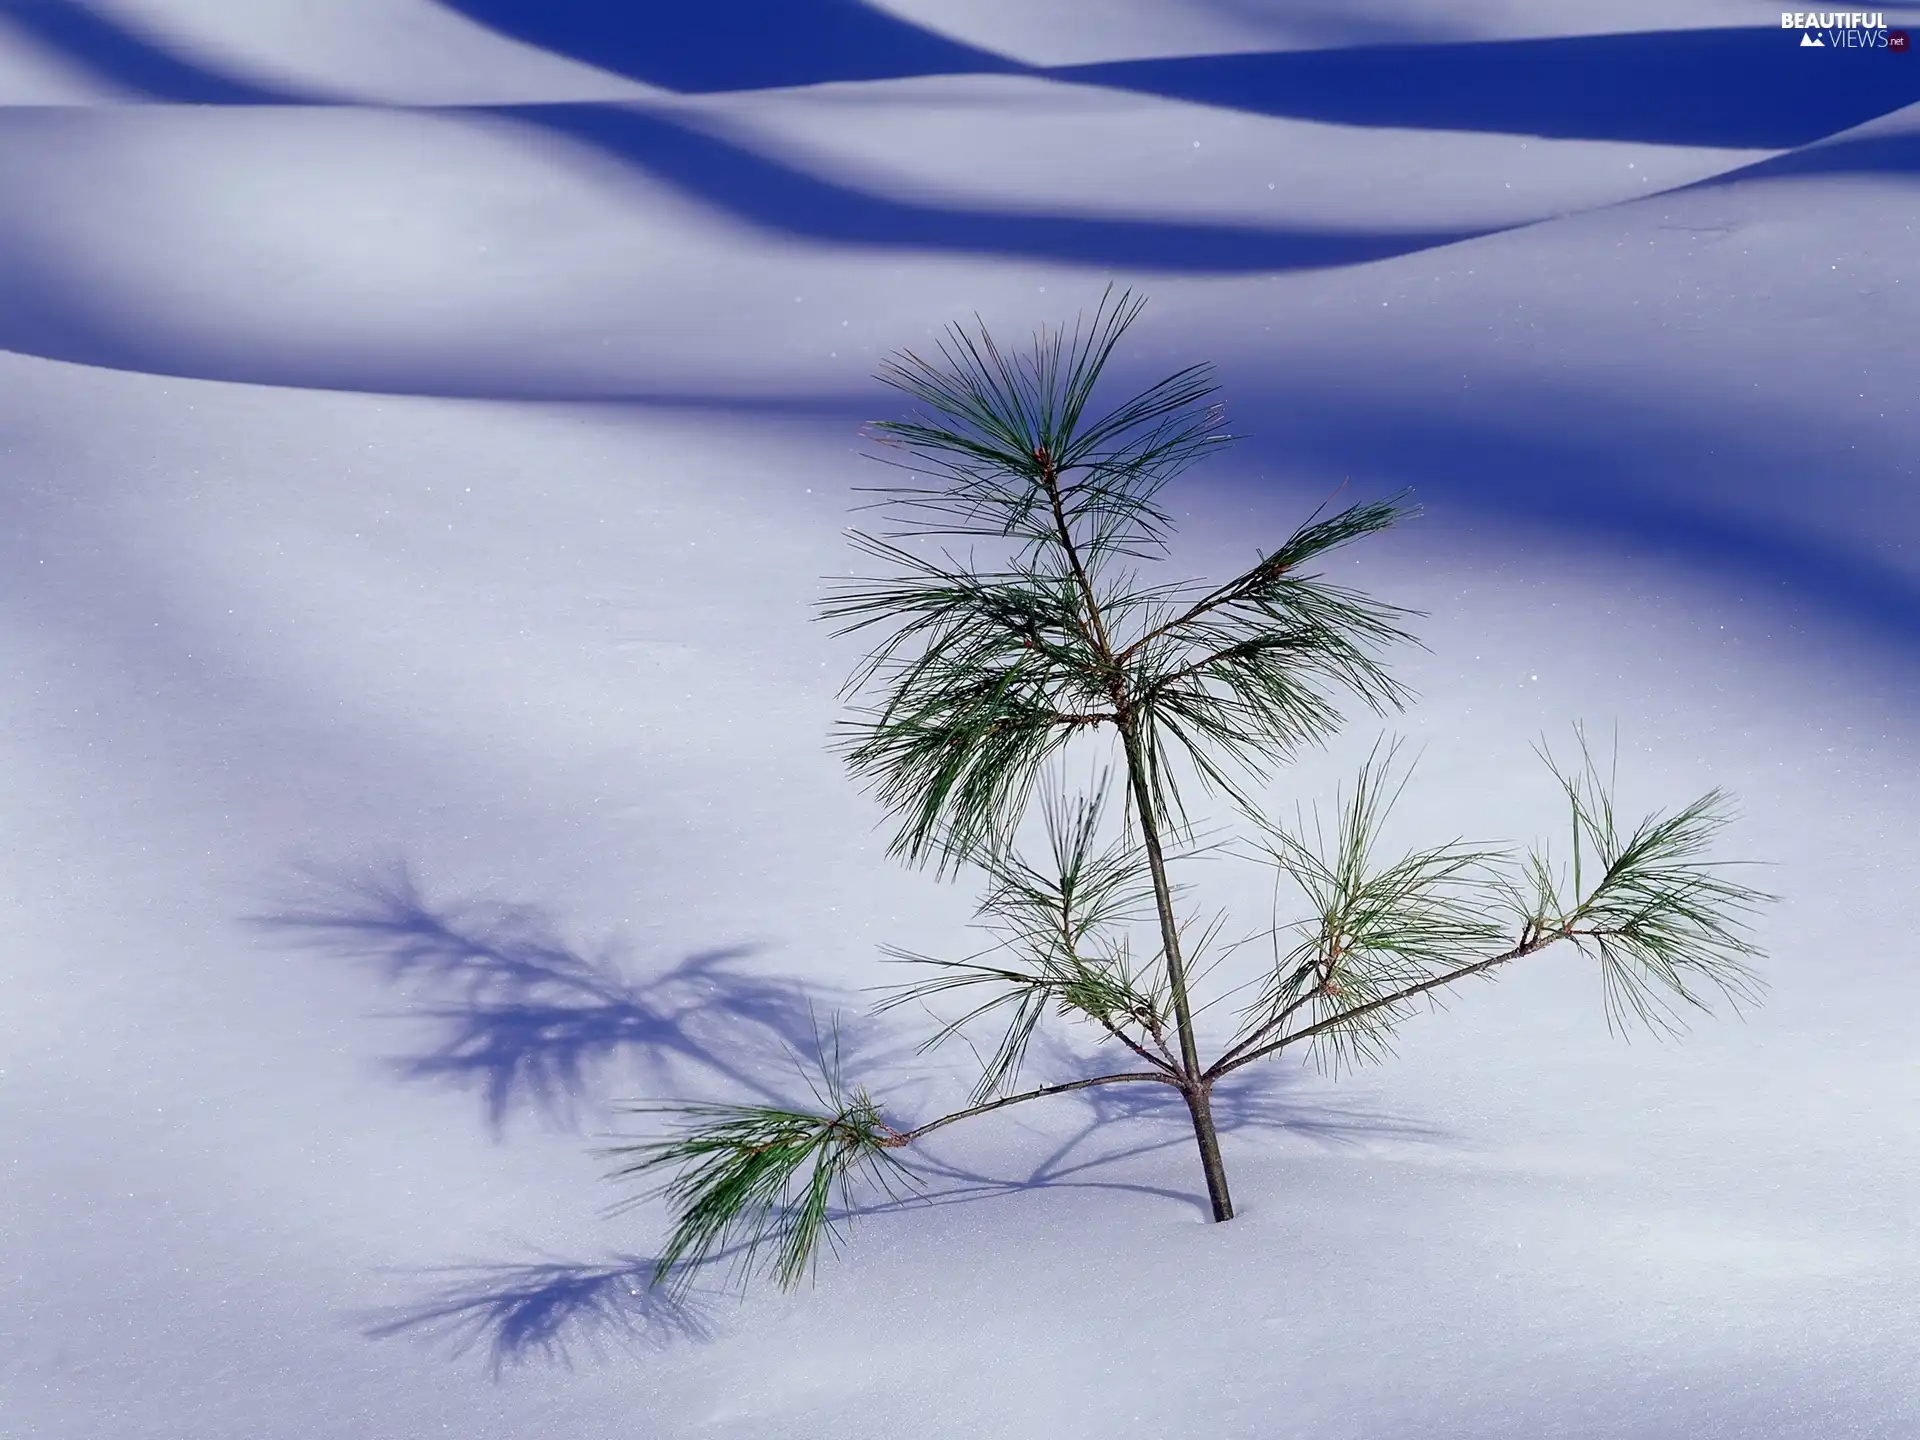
425	427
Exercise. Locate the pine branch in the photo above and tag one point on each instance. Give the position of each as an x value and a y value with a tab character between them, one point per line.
1372	1007
1074	986
1249	674
1665	924
1046	919
1663	920
1266	583
1375	927
1126	1077
746	1179
749	1178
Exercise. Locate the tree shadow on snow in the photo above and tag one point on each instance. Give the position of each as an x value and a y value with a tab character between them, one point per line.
553	1311
515	1014
530	1022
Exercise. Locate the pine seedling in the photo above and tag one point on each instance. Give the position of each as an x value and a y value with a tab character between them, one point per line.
1014	625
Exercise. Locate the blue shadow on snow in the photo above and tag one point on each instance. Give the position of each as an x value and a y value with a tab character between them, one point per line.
1620	86
1641	487
716	45
1735	89
1746	88
508	1009
552	1310
546	1310
774	196
758	190
125	59
1897	154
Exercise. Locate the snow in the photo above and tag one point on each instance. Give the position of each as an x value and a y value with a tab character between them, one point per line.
425	428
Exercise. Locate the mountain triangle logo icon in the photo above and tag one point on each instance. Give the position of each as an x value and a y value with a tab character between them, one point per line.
1808	40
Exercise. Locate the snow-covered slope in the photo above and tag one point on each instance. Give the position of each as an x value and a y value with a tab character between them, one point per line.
424	428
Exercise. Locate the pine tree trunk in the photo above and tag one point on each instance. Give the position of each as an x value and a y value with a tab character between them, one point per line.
1200	1104
1199	1099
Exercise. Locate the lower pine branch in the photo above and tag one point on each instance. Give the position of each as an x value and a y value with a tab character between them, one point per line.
893	1139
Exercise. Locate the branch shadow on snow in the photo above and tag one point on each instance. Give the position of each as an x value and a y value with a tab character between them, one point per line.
548	1311
513	1013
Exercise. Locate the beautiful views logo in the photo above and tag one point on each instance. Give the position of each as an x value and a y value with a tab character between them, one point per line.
1843	30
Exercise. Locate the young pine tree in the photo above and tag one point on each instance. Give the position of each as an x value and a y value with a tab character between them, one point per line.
1048	636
